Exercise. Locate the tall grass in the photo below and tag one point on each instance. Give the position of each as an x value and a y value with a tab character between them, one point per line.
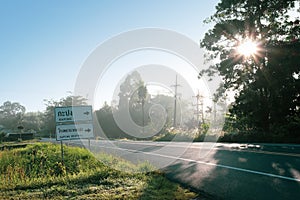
40	164
36	172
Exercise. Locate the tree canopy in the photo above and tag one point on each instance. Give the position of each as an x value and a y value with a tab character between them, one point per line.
11	114
265	75
48	118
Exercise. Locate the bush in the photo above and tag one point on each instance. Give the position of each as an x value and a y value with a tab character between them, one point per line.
178	135
41	160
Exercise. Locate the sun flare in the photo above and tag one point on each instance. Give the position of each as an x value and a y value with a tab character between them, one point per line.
247	48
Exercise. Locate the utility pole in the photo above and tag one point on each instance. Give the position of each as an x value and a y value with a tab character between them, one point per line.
175	101
215	111
199	102
143	115
197	108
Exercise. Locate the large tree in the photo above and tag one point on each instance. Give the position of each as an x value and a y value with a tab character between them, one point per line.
33	121
109	128
133	97
11	115
257	45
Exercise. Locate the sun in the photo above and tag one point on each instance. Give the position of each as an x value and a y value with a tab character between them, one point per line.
247	48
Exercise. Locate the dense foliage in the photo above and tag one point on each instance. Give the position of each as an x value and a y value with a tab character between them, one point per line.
266	82
133	97
11	114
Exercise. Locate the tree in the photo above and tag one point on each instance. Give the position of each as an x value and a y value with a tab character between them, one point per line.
257	45
167	102
33	121
127	90
48	119
142	94
106	121
11	115
133	98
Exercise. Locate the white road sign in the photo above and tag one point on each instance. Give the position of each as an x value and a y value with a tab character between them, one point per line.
73	113
74	131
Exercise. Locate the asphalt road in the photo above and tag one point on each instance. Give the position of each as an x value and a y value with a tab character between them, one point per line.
219	171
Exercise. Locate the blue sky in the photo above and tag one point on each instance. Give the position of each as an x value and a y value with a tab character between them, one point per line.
44	43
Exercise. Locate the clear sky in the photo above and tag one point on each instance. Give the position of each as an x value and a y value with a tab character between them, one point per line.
45	42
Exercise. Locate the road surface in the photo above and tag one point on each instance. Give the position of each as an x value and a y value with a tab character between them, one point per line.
219	171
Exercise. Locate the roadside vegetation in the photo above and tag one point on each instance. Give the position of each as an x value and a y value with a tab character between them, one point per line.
36	172
201	134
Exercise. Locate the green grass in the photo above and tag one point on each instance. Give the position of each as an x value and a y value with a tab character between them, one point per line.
36	172
177	136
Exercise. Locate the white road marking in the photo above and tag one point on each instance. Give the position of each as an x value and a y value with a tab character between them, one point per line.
208	163
230	147
205	163
210	146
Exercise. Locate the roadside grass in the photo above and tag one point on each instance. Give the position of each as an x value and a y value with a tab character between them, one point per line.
176	135
16	144
36	172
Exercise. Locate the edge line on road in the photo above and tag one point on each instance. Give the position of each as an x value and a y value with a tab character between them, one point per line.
259	151
208	163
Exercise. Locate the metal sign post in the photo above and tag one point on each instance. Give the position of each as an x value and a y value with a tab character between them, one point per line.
62	152
74	122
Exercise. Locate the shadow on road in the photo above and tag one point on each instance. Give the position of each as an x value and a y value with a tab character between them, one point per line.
214	178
